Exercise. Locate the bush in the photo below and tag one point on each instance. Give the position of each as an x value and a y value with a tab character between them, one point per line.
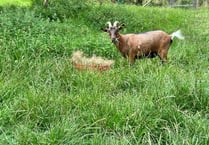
59	9
137	19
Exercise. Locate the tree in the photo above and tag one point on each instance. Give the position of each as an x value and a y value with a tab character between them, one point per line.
139	2
46	3
172	2
196	3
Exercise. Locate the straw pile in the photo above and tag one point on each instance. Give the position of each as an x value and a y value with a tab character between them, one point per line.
95	62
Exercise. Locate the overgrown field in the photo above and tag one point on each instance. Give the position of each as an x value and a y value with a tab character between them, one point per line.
16	2
45	100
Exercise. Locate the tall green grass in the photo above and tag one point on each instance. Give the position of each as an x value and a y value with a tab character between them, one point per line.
45	100
16	2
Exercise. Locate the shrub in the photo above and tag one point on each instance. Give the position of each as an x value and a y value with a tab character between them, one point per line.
137	19
60	9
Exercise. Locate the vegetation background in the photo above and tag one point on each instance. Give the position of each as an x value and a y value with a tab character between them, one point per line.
45	100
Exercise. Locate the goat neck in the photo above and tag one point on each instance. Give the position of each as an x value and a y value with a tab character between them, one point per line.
121	44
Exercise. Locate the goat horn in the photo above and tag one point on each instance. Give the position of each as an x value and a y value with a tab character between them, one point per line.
109	23
115	23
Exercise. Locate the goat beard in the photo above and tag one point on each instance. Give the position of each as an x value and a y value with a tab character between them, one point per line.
116	41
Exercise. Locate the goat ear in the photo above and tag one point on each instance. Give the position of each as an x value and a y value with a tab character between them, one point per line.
104	29
121	27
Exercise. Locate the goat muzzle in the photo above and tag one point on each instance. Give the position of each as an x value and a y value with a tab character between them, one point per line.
114	40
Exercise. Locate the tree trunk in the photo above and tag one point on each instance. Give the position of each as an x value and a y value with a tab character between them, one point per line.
114	1
46	3
139	2
205	3
172	2
195	3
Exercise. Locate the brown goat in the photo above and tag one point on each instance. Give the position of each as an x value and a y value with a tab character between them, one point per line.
149	44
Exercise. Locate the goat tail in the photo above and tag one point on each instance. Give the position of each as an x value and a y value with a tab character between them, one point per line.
177	34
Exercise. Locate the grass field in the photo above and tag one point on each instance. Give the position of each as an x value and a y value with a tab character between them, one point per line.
16	2
45	100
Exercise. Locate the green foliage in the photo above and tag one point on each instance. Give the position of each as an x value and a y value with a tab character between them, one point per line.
16	2
136	19
150	3
45	100
58	10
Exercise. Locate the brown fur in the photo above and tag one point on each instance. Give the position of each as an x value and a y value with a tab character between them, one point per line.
147	44
132	46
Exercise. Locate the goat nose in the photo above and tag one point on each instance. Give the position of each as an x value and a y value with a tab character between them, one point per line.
113	39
